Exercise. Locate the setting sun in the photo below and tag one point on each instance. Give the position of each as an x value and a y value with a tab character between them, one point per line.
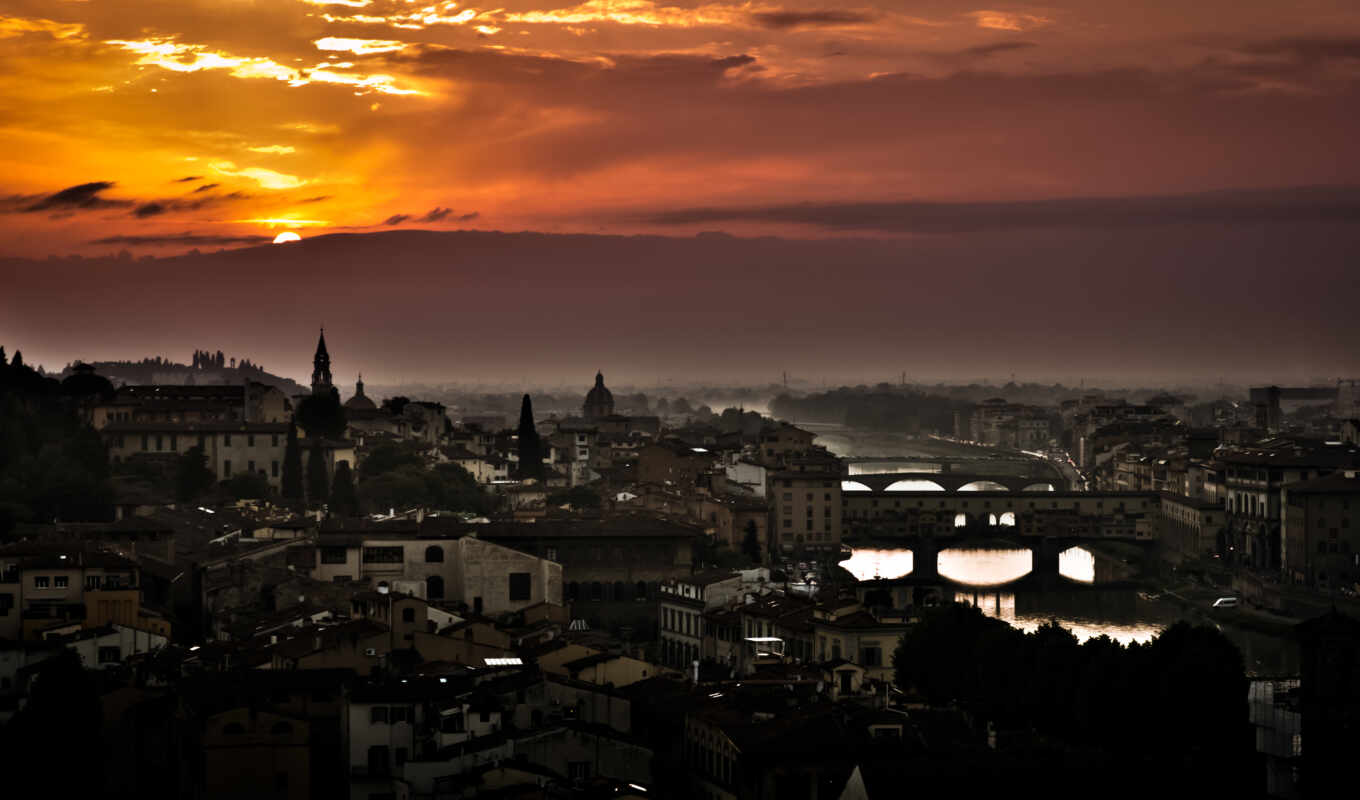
287	236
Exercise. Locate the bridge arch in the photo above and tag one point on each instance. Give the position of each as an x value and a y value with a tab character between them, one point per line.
915	485
854	486
1039	487
1007	519
983	486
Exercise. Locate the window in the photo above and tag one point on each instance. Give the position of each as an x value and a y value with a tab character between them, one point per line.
550	553
145	444
377	714
226	439
332	555
250	467
382	555
174	442
398	714
273	440
578	770
250	440
434	554
873	657
41	582
408	615
274	469
226	468
61	582
519	587
110	655
160	442
434	588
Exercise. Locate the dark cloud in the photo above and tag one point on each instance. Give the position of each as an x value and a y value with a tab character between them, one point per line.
149	210
84	197
316	199
186	238
189	178
983	50
435	214
206	187
1305	204
783	20
1312	49
396	219
469	217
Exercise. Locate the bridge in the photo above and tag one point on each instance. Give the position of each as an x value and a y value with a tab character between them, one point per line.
953	482
953	474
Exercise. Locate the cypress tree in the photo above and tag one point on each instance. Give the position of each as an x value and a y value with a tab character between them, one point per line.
292	470
530	449
316	477
343	499
18	359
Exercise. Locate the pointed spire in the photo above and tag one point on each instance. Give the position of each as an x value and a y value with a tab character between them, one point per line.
321	345
321	366
599	378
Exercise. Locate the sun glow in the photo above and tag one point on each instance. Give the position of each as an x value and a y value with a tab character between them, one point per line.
287	236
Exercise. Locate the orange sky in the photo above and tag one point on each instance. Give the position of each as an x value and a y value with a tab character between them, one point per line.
160	125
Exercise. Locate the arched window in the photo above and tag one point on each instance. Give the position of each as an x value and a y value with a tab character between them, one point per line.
434	588
281	729
573	591
596	591
640	591
960	520
434	554
620	590
233	729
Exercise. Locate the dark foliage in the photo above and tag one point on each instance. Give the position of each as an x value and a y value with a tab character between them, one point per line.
291	479
1180	699
322	415
52	464
317	481
192	476
530	447
246	486
396	476
395	405
750	543
58	732
344	499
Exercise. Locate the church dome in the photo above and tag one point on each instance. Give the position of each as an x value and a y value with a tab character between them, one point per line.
599	400
359	402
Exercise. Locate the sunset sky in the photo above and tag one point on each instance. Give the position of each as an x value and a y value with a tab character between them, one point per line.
158	126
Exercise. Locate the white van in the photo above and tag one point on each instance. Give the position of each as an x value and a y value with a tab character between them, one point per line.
1225	602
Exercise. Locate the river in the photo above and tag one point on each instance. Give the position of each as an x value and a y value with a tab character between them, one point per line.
991	577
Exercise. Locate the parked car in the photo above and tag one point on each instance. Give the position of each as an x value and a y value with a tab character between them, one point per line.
1226	602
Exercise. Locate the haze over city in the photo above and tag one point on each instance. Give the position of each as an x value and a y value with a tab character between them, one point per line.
674	399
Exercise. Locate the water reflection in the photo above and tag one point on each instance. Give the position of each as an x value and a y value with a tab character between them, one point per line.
984	567
867	565
1092	614
1078	564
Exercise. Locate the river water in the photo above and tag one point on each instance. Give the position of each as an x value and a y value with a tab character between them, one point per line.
987	577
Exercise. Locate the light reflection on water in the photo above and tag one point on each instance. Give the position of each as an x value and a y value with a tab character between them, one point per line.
1002	606
1088	614
985	567
1078	564
867	565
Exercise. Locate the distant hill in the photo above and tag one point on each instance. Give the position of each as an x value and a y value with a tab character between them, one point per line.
163	371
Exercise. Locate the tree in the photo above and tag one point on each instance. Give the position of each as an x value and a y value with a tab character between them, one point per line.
292	469
394	405
18	359
316	477
750	545
192	476
344	500
63	705
322	416
530	448
247	486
